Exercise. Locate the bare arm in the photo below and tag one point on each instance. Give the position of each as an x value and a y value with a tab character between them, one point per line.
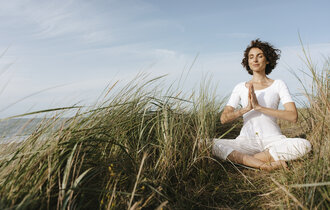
229	113
290	113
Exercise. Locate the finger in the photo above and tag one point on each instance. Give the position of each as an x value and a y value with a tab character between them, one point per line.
255	98
252	88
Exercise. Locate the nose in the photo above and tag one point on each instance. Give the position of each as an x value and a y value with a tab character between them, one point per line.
255	59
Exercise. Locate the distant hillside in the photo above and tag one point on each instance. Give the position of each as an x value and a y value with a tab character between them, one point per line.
20	126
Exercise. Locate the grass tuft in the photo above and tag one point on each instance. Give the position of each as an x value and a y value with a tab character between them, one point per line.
144	146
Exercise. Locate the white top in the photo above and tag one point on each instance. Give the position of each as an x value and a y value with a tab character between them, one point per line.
257	124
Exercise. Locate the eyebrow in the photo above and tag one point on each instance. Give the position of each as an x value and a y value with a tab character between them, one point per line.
257	54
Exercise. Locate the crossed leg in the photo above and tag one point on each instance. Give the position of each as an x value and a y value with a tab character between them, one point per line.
262	160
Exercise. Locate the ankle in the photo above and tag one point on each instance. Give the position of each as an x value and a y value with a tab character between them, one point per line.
266	166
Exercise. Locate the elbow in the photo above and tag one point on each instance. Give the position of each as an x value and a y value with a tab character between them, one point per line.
224	120
295	118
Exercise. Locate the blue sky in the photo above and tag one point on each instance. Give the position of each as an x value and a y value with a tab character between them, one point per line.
80	46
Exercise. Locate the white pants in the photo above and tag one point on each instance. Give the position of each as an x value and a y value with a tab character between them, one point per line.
280	147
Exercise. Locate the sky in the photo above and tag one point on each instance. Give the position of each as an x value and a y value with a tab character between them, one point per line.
58	53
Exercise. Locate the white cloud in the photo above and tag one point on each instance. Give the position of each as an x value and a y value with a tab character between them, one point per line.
85	21
165	52
224	69
108	41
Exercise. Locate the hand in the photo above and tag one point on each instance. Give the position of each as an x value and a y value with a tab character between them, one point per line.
249	106
253	98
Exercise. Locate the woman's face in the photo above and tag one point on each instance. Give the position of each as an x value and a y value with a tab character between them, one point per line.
257	60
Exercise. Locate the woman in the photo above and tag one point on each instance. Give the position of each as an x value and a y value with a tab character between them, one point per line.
260	143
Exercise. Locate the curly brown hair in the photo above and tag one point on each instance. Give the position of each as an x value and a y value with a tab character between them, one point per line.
272	55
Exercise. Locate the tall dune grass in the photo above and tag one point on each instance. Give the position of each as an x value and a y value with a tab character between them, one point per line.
307	184
146	147
132	149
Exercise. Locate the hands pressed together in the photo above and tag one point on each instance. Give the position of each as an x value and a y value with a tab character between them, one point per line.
252	101
290	113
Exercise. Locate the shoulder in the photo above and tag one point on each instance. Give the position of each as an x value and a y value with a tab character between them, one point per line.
239	86
238	89
281	87
279	82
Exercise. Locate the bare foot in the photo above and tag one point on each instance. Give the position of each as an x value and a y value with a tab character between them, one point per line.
274	165
283	164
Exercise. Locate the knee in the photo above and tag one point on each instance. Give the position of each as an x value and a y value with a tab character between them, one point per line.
304	145
220	149
217	148
301	147
292	148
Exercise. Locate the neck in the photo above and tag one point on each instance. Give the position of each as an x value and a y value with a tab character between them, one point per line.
259	77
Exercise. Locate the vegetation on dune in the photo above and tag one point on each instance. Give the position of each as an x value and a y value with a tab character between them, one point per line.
149	148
